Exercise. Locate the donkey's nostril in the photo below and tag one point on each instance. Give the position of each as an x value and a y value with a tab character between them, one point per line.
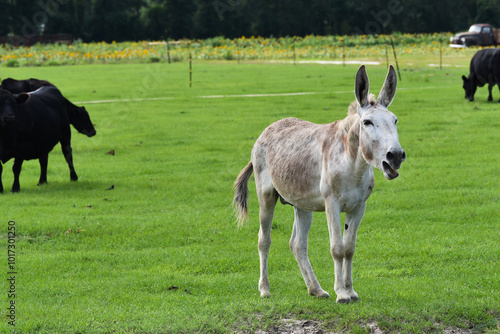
390	156
403	156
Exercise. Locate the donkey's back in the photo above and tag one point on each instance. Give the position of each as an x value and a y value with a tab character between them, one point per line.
288	156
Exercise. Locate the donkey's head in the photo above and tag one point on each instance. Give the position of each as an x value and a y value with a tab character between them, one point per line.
378	134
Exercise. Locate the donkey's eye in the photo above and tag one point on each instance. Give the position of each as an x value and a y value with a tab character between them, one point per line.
396	121
367	122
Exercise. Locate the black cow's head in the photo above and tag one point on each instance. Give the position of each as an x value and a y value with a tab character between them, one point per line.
8	102
80	119
469	88
21	86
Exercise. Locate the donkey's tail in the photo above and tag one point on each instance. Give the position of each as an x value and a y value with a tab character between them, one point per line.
241	194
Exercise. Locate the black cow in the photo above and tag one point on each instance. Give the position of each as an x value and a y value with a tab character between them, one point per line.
78	116
23	86
484	69
31	125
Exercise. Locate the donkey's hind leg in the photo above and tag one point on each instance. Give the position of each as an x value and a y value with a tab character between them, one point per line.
267	201
298	246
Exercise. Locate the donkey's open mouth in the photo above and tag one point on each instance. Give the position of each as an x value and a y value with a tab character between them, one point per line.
389	171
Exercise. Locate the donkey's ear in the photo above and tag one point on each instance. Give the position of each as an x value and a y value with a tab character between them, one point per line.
388	91
361	88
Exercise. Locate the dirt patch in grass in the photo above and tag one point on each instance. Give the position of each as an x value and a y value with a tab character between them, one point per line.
289	326
292	326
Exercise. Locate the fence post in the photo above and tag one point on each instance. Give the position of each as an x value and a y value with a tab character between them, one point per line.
395	58
190	66
168	51
237	49
440	54
294	56
343	51
386	55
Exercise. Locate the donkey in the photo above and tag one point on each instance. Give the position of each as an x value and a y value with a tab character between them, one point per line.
323	167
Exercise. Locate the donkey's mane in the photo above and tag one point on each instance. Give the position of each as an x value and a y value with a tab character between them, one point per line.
352	114
353	108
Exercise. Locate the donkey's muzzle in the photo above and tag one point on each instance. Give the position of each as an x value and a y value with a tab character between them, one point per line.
395	158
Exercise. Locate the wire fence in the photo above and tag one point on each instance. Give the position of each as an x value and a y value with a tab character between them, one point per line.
289	49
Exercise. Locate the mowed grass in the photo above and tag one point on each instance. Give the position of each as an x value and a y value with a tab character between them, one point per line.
160	252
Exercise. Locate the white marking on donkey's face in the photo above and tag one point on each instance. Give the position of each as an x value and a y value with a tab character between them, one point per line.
378	133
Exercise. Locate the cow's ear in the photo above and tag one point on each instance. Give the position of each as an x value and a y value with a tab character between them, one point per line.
22	98
464	78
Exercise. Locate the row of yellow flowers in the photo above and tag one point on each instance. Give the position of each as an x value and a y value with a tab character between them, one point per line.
249	48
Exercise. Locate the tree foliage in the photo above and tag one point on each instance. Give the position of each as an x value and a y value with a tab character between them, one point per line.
119	20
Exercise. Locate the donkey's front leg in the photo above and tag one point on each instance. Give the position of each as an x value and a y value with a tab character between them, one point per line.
337	248
352	222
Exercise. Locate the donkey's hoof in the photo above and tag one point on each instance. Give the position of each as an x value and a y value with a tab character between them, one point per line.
320	294
324	295
353	295
265	294
343	300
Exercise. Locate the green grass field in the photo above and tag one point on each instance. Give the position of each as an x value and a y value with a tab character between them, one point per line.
160	253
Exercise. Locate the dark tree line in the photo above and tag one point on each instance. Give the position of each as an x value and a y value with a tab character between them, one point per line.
108	20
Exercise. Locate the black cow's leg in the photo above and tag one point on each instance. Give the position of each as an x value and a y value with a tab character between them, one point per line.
1	185
68	155
17	170
490	97
43	169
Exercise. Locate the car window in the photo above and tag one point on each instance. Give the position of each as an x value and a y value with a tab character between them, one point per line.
475	28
